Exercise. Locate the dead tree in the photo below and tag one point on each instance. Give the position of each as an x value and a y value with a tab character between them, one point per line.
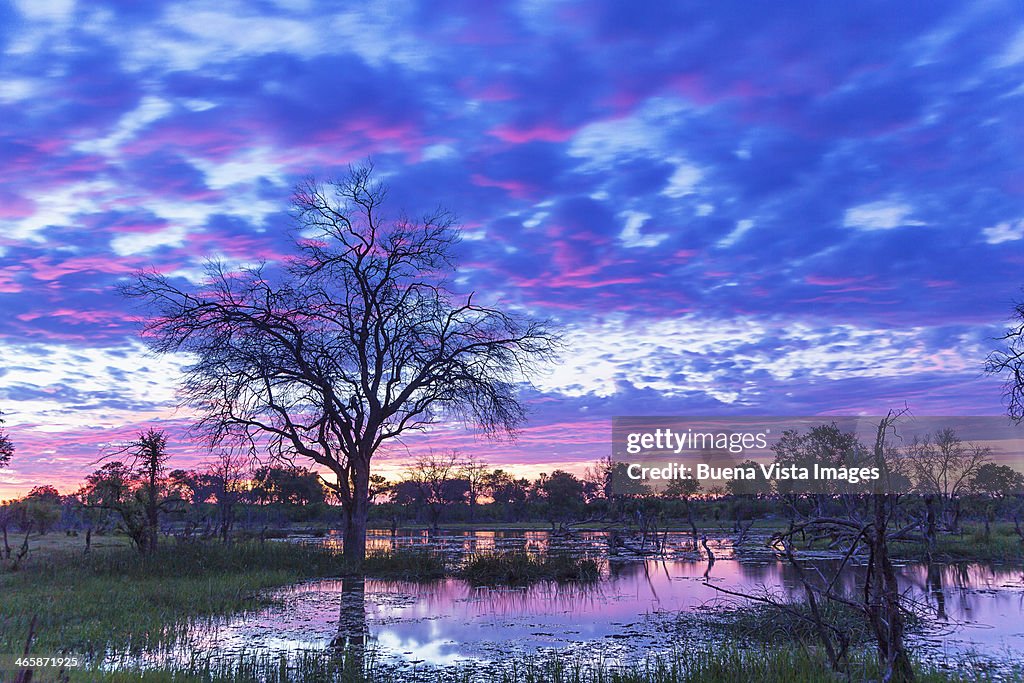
1009	362
867	529
6	446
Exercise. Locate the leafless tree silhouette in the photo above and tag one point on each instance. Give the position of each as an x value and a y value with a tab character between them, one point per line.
6	446
354	341
1009	361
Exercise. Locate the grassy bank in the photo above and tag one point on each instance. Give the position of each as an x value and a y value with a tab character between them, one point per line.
1001	545
725	664
115	598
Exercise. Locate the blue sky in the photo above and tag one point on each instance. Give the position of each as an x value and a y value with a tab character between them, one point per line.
731	208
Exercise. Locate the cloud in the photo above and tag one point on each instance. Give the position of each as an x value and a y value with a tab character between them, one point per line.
1008	231
150	109
881	215
128	244
730	208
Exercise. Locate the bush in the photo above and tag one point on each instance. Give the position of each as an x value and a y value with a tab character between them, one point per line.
520	568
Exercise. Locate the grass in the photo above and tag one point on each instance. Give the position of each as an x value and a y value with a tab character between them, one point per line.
521	568
760	623
408	565
725	664
115	597
763	624
1001	545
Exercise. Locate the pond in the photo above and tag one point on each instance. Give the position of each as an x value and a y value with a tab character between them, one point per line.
970	608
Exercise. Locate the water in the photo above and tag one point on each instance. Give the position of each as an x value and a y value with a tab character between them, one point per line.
971	608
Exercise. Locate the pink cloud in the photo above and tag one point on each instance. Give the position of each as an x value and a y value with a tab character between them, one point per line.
15	206
517	189
7	283
45	269
846	284
76	317
538	133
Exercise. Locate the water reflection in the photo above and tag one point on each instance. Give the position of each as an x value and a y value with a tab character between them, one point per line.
350	640
449	622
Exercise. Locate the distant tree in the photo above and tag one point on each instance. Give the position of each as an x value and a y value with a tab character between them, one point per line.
227	475
134	490
563	495
45	492
42	507
507	491
353	342
288	485
149	450
758	486
942	467
684	490
8	517
432	476
379	486
826	445
621	485
6	446
409	494
1009	362
114	487
474	472
996	482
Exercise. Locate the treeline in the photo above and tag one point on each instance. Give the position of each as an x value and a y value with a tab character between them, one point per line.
137	493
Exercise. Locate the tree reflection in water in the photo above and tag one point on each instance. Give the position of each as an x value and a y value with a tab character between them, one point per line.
935	589
350	641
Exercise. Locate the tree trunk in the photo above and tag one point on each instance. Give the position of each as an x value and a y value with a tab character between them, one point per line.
152	512
881	590
884	607
693	524
929	533
354	546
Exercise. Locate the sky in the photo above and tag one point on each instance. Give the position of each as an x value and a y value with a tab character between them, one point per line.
730	208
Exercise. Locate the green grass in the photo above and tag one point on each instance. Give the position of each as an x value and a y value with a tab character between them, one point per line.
521	568
408	565
724	664
117	598
769	625
791	623
1001	545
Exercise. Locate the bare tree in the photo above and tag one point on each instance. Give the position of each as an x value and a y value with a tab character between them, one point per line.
1009	361
6	446
436	478
869	527
227	474
943	467
474	472
349	344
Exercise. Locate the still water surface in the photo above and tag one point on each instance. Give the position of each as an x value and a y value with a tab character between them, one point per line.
970	608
